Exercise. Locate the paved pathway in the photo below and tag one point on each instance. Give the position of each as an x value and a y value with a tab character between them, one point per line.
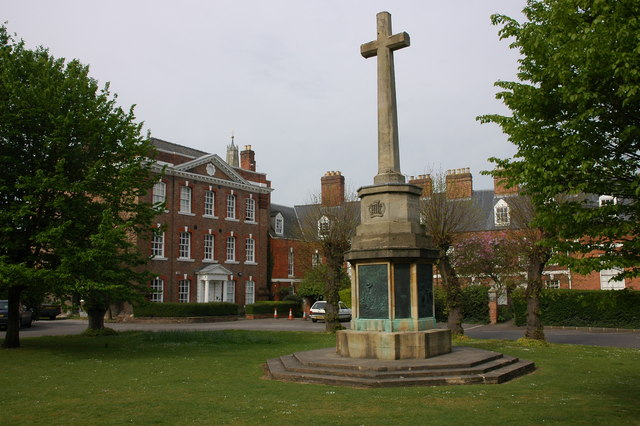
624	339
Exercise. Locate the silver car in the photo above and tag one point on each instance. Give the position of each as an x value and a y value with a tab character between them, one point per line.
317	311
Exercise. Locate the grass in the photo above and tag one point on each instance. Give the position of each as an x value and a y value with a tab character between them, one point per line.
215	378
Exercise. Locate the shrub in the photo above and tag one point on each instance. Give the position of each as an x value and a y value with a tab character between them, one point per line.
584	308
345	296
267	308
213	309
475	304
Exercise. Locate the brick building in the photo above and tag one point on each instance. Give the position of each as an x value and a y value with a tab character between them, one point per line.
495	216
210	243
291	257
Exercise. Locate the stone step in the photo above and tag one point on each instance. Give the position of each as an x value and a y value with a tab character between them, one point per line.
292	363
449	369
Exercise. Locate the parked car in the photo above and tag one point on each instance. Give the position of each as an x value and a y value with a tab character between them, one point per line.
49	310
317	311
26	316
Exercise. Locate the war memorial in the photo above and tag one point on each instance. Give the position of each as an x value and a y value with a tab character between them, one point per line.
393	340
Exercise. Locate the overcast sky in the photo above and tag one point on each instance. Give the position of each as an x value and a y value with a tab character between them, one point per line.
286	77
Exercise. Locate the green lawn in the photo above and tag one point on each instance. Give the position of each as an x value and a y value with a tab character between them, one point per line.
216	378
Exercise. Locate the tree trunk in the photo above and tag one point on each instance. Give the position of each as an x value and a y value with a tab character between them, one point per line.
331	319
96	318
12	337
535	329
453	293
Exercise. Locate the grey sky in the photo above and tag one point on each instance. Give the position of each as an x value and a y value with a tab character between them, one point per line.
286	77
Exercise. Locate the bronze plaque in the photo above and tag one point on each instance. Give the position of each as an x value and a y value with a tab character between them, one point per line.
373	295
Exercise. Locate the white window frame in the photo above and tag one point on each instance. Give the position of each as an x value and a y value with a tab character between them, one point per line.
210	203
501	213
185	199
231	206
291	261
184	245
554	284
316	259
157	245
279	225
157	285
250	250
249	292
605	200
159	193
183	295
229	291
209	247
250	210
231	249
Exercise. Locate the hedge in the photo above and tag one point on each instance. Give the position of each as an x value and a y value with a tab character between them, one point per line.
475	304
583	308
267	308
186	309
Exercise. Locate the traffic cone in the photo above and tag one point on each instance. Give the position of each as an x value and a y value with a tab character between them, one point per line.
290	314
304	315
275	313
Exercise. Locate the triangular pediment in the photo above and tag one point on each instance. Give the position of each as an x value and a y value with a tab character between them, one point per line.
213	166
214	269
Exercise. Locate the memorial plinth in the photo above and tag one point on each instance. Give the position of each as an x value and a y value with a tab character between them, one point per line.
391	255
392	281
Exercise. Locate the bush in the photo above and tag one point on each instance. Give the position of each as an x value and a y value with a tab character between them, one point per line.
213	309
475	304
584	308
345	296
267	308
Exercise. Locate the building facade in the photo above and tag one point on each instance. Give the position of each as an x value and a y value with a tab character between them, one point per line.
210	243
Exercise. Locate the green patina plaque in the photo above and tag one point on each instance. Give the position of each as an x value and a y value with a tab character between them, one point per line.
373	282
425	290
402	289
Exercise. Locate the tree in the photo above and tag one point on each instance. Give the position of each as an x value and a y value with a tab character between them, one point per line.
576	125
314	281
530	243
329	229
445	218
74	165
488	255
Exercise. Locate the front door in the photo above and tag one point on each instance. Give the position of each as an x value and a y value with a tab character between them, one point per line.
217	291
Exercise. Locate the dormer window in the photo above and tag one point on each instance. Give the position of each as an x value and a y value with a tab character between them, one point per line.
324	225
501	213
607	200
279	225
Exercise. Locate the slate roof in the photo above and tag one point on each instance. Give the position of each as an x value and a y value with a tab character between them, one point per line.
178	149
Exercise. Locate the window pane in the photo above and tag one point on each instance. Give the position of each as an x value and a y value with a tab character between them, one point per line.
209	203
231	248
183	291
208	247
185	199
157	286
250	250
231	206
185	245
250	210
249	292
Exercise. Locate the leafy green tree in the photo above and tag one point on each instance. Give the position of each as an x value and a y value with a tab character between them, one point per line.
576	125
315	279
74	165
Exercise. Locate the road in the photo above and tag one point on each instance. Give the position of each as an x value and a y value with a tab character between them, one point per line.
623	339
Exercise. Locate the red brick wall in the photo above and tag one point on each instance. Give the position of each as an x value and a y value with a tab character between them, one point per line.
198	225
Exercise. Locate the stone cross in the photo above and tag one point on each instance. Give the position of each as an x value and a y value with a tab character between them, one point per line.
388	149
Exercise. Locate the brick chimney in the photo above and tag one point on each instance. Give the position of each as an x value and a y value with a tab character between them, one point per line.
248	159
332	184
423	181
459	183
500	188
